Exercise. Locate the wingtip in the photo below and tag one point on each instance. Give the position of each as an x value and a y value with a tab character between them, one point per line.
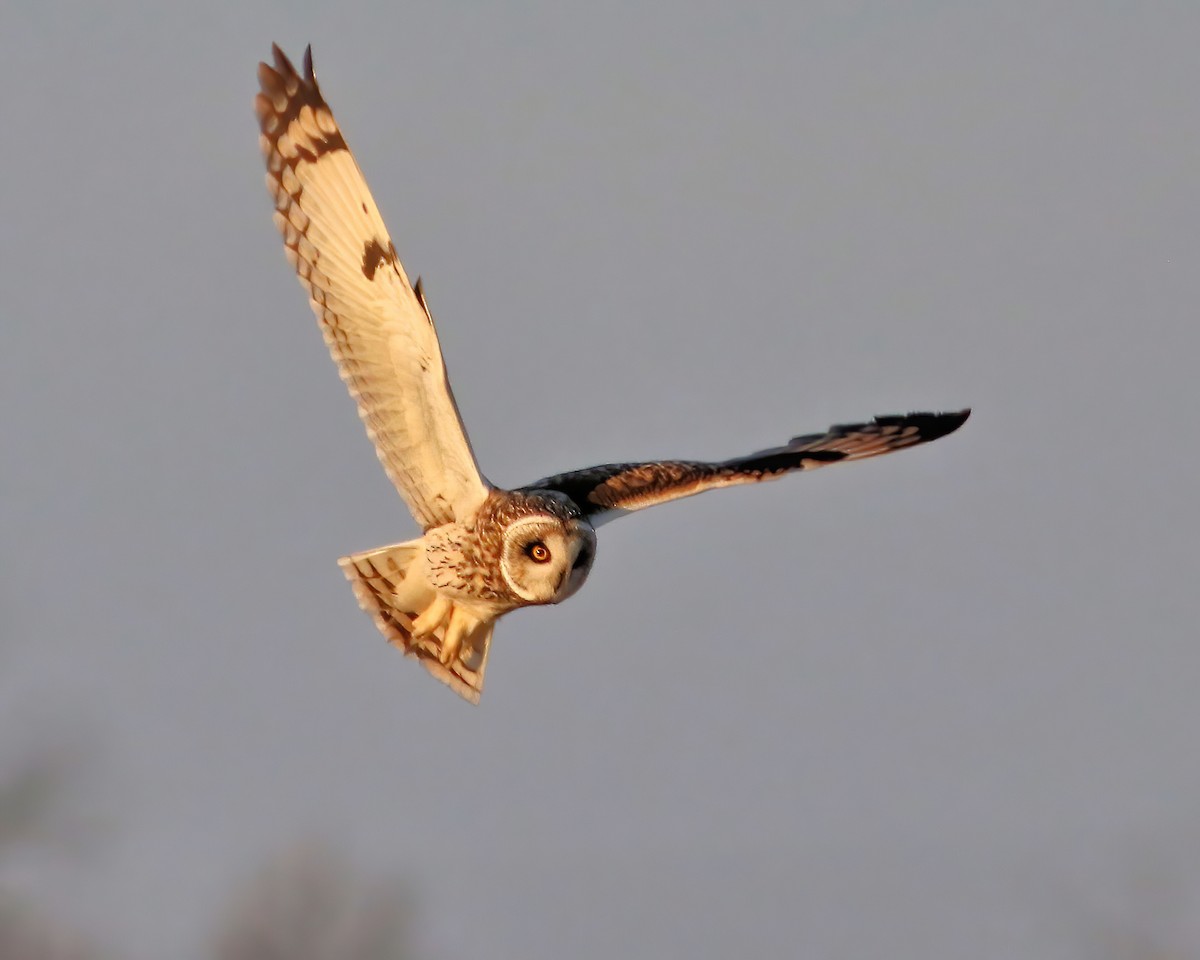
961	417
285	67
935	425
929	425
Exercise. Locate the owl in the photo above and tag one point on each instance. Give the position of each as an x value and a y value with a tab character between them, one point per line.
484	550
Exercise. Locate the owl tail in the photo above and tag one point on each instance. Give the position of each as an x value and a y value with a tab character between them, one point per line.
391	586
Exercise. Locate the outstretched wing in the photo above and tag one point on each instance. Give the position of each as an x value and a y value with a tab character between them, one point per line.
606	491
376	324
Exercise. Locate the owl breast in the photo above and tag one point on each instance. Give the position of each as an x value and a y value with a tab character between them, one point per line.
465	565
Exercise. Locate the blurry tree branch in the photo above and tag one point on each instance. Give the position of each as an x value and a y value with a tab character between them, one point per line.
28	934
310	905
27	800
27	797
307	905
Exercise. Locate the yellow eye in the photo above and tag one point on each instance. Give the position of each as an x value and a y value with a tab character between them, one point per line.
538	552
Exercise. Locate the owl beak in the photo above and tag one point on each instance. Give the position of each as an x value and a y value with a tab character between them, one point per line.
583	556
572	579
568	577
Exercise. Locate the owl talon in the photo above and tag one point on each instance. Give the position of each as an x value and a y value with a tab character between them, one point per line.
457	629
443	626
448	652
431	618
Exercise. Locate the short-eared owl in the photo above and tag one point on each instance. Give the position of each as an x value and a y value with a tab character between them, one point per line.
484	551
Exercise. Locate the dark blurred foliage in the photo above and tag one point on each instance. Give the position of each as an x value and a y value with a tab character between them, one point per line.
29	934
29	795
310	904
28	799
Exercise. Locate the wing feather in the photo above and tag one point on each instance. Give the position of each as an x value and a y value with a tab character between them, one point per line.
606	491
378	328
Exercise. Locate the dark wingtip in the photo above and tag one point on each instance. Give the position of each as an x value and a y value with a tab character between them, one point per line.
308	64
955	420
933	425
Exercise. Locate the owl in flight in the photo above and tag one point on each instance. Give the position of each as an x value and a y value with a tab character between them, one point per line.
485	551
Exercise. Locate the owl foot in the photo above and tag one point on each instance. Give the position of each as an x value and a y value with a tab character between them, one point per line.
431	618
443	626
457	628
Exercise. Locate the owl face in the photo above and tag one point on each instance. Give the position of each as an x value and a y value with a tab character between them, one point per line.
545	559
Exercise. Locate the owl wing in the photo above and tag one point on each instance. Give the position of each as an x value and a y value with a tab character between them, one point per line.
376	324
605	492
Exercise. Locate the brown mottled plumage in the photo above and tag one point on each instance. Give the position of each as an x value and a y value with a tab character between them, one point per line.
484	551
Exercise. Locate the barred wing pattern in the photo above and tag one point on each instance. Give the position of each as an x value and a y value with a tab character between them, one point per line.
606	491
376	324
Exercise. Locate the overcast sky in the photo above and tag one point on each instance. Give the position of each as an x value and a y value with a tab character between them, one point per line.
941	704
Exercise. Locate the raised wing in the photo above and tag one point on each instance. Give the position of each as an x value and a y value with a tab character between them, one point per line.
378	327
606	491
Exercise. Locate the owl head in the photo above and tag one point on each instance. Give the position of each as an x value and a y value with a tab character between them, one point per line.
545	557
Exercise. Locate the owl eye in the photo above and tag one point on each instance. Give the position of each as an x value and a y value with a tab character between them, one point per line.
538	552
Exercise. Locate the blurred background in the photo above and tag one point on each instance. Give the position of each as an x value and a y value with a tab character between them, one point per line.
940	704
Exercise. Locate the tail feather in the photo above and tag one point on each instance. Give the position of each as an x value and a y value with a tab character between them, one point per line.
390	585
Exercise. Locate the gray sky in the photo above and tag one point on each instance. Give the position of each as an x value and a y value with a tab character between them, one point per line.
941	704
